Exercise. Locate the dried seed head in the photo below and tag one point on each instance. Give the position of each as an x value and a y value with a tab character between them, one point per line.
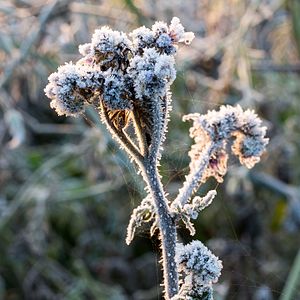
71	88
198	269
152	74
216	128
116	95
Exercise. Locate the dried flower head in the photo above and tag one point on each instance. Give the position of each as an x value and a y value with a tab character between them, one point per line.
198	269
108	48
116	95
72	87
152	74
216	128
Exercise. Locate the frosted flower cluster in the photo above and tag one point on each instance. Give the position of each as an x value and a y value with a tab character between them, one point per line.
152	73
162	37
122	72
72	87
108	48
215	129
198	269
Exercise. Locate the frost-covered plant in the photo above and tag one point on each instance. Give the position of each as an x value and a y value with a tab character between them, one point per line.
198	269
127	78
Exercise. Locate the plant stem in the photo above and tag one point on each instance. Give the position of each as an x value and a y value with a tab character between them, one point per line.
166	224
120	136
192	180
139	133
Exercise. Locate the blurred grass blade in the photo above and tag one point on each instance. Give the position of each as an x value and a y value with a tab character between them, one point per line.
15	123
295	12
290	288
134	9
6	43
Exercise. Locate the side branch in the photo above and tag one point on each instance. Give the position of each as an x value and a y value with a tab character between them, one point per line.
192	180
140	133
120	136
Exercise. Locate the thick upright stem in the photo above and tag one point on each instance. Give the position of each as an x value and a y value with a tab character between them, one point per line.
148	165
167	227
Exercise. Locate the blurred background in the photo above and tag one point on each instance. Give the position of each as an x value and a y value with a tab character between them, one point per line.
67	191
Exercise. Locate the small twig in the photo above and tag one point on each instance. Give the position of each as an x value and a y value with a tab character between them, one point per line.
120	136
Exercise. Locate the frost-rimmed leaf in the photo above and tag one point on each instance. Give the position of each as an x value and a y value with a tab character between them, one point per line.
144	213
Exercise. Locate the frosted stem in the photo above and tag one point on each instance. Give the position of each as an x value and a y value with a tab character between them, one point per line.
120	136
166	225
139	132
192	180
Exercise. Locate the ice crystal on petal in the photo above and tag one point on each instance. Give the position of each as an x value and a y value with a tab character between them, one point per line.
165	44
176	29
108	48
164	40
159	28
164	68
84	49
106	40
